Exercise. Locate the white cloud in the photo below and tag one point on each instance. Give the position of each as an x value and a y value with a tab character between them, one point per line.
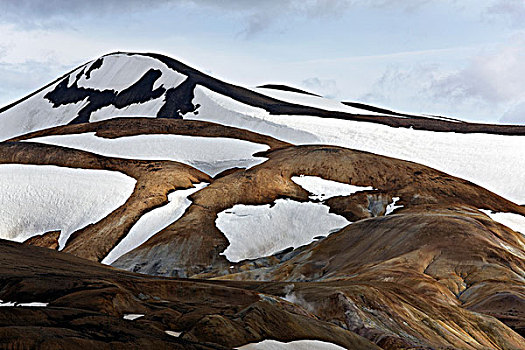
515	114
324	87
494	77
489	86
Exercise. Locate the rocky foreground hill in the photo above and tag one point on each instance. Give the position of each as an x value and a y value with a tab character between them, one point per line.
146	204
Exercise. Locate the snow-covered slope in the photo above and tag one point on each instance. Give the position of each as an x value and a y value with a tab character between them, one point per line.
492	161
92	89
35	199
152	222
511	220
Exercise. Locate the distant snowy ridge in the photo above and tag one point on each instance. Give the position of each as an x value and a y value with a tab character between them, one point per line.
147	85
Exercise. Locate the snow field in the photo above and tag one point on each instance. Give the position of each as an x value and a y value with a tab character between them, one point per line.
35	199
293	345
255	231
211	155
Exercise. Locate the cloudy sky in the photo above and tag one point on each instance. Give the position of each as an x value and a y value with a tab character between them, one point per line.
460	58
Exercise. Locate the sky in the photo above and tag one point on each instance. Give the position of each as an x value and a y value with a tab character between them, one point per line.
456	58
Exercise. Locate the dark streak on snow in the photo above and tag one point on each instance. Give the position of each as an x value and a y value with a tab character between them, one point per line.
287	88
96	65
141	91
178	100
63	94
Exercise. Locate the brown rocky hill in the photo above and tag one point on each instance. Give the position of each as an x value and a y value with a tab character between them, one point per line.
87	304
415	263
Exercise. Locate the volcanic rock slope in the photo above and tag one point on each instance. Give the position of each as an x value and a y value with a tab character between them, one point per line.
257	218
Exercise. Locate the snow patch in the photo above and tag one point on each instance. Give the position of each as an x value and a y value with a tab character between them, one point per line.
39	198
392	206
13	304
153	222
513	221
323	189
293	345
173	334
211	155
256	231
132	317
512	250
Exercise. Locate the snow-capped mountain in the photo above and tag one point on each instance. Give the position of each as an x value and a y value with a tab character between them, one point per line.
375	228
156	86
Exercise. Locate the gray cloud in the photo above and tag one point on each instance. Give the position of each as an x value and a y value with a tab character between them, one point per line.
51	8
511	10
31	14
399	87
495	77
255	15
